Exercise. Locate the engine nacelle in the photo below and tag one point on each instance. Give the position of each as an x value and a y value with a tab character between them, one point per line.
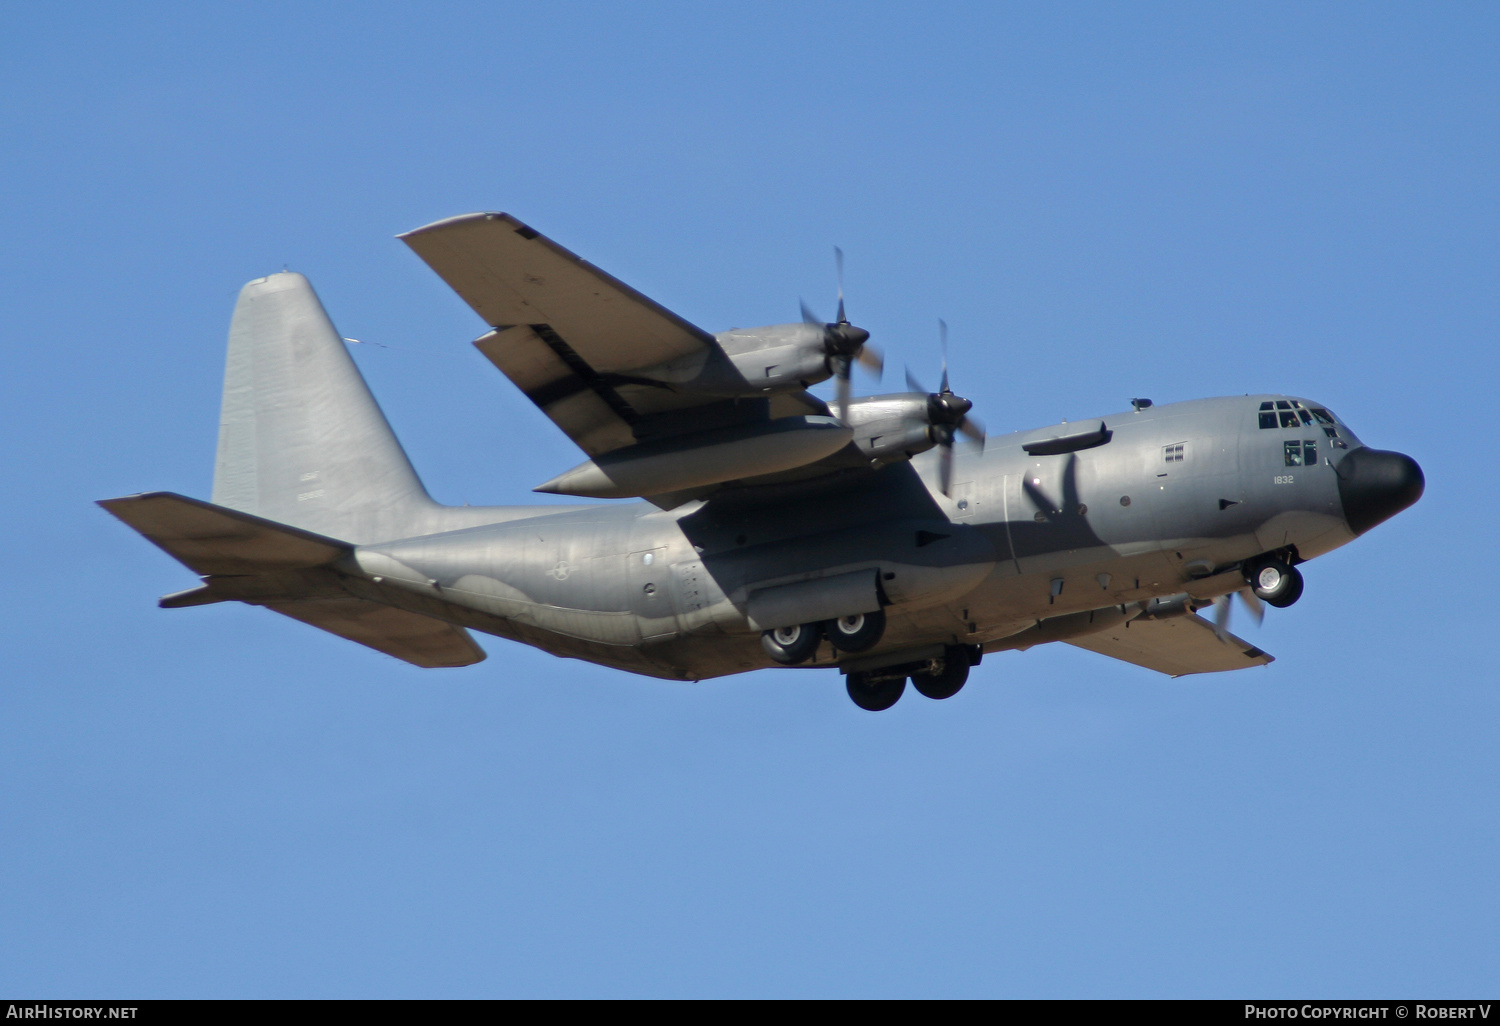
750	362
888	428
777	357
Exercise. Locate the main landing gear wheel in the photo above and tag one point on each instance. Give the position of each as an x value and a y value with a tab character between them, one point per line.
1276	584
874	693
856	633
944	683
790	645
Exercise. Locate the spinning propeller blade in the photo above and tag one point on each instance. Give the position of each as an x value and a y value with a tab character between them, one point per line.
1222	606
1221	617
1253	604
947	414
844	344
844	388
838	260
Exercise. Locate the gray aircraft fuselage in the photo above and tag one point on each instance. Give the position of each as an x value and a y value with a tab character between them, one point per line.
1171	504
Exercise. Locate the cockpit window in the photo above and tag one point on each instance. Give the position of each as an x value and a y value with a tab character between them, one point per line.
1300	454
1290	413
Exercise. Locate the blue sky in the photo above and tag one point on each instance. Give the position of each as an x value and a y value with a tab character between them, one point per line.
1104	201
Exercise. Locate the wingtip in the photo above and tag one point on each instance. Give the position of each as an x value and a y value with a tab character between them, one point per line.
461	219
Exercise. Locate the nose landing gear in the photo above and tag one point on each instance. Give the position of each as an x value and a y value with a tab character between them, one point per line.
1275	583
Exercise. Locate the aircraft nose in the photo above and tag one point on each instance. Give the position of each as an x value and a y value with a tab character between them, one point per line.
1375	485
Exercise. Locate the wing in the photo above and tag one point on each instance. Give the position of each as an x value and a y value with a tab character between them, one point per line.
1177	646
607	365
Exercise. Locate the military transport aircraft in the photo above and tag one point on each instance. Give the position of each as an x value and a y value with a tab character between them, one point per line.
775	531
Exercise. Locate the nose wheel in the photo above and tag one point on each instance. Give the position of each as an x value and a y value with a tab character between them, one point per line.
1276	583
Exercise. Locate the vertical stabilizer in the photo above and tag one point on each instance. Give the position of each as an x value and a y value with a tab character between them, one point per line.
301	439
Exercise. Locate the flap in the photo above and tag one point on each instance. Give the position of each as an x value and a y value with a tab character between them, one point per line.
1176	646
412	637
210	539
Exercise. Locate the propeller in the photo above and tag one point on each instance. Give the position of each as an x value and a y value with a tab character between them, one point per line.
948	414
844	343
1222	606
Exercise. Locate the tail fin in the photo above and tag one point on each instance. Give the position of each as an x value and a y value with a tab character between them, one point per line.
301	439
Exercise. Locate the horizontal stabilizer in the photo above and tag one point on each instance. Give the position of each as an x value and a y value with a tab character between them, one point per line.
417	639
1177	646
210	539
285	569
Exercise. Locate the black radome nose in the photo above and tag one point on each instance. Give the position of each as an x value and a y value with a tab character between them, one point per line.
1375	485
